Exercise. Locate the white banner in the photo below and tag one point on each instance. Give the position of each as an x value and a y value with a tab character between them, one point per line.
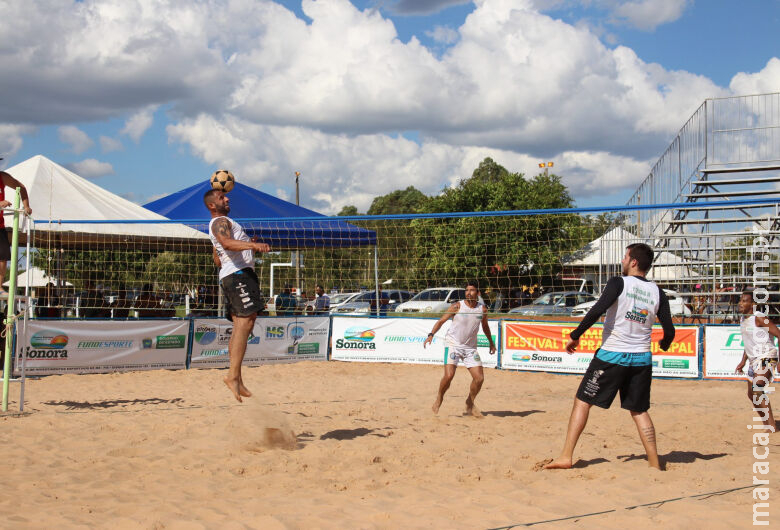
398	340
94	346
273	340
723	349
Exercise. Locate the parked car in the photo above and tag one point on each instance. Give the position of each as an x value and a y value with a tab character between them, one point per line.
555	303
361	305
337	300
677	306
434	300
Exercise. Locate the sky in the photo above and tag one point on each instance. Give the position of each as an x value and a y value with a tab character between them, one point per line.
363	97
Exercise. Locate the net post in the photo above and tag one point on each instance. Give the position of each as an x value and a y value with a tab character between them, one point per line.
9	312
376	280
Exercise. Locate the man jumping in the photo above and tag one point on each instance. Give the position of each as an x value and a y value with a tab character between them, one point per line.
234	254
624	362
461	341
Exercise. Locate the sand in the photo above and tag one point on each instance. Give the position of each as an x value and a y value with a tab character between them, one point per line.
349	445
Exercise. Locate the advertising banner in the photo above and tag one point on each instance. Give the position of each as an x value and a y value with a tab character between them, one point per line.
542	347
723	349
398	340
273	340
94	346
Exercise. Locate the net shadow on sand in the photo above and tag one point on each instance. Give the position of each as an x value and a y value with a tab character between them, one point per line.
110	403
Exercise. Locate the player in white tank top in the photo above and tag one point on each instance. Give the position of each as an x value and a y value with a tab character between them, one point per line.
461	341
234	251
760	354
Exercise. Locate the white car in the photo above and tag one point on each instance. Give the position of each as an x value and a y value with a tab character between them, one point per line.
677	306
338	300
435	300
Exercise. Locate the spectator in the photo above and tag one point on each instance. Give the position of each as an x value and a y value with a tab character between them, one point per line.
322	302
383	303
286	302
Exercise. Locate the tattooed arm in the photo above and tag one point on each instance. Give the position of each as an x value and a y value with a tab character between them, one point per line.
222	231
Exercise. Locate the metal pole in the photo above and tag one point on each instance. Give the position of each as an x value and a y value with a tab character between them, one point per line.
9	312
27	315
376	278
297	252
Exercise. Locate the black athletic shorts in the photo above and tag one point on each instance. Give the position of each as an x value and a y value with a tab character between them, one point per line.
243	293
603	380
5	246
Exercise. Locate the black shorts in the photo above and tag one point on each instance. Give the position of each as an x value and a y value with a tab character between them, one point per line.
243	293
603	380
5	246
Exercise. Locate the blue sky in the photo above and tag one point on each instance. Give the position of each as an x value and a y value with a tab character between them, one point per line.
148	97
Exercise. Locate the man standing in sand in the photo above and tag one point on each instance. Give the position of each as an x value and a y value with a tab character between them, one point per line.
234	254
624	362
760	354
461	341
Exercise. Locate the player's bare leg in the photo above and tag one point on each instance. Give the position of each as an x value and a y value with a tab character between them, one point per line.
237	348
647	434
477	378
444	384
577	421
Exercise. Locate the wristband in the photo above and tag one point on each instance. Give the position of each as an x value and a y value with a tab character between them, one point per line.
430	334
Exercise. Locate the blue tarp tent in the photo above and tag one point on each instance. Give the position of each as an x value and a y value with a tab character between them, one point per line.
266	217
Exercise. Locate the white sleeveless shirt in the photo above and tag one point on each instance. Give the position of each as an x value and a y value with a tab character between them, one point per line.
757	341
464	327
232	260
629	321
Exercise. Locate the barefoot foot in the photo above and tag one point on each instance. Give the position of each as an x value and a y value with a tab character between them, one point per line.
244	391
559	463
232	384
436	405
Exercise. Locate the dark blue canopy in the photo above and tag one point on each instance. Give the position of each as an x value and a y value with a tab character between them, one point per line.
279	223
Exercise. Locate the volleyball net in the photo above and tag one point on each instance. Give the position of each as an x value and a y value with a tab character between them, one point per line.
121	269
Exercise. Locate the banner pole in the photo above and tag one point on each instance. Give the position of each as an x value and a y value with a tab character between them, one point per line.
10	309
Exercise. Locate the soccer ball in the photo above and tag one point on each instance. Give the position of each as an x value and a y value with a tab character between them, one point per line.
222	180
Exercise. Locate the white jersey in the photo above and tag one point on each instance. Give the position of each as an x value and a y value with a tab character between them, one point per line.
232	260
757	340
465	324
629	321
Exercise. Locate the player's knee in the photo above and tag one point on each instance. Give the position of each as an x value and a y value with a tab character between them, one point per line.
479	379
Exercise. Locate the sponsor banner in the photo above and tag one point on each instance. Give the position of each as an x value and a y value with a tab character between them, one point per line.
398	340
273	340
94	346
723	349
542	347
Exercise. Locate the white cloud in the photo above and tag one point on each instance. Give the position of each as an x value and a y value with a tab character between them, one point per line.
108	144
443	34
139	123
765	81
338	170
91	168
11	140
77	140
649	14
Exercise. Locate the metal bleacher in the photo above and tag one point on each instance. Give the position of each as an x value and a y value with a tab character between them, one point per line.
729	150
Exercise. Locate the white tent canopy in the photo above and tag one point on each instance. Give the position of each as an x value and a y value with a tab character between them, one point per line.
610	248
38	278
59	194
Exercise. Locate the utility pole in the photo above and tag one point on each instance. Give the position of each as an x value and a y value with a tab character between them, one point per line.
297	251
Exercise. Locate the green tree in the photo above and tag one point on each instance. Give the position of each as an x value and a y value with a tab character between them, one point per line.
348	210
410	200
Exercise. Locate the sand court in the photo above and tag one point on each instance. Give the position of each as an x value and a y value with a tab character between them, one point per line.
335	445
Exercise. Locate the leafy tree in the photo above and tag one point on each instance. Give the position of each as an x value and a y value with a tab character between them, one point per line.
410	200
348	210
